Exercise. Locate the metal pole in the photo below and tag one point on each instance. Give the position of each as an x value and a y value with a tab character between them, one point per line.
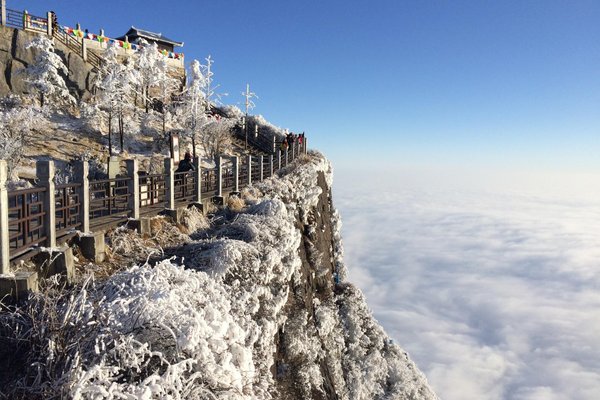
4	232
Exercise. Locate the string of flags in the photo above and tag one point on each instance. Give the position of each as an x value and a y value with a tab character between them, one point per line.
121	43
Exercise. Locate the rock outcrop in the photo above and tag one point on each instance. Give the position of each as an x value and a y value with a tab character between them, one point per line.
14	57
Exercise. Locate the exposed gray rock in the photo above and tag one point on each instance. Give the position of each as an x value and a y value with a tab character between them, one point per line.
17	78
77	72
6	35
20	51
5	61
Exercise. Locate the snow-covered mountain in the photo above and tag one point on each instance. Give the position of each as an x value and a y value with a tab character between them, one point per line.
257	308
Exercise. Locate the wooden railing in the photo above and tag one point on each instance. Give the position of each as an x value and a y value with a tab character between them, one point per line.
185	186
50	214
14	19
26	220
109	197
68	210
152	189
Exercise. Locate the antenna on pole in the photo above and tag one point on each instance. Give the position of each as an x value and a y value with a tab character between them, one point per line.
249	105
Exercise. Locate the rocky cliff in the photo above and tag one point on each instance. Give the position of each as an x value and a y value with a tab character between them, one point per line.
14	57
254	304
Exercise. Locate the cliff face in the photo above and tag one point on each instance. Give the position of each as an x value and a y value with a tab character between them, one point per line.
257	308
14	56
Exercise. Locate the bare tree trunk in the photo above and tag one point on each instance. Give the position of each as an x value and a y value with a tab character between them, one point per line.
121	131
110	152
194	145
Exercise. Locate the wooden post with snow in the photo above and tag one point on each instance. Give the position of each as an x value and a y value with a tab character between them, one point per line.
198	177
49	23
83	49
261	168
219	176
278	160
82	171
169	184
4	232
45	172
3	5
270	165
133	187
236	174
286	160
249	182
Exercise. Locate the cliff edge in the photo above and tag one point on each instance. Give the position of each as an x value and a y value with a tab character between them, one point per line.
254	305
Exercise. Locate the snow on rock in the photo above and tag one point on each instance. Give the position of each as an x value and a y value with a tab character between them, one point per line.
207	328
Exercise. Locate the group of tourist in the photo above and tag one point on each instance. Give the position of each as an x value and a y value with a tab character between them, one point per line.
290	139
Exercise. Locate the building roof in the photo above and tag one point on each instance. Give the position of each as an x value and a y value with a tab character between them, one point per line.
153	36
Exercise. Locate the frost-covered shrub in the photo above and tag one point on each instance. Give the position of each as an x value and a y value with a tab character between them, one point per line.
192	220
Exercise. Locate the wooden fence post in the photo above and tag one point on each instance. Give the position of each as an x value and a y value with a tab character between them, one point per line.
270	165
45	172
133	187
287	152
169	184
278	160
198	176
49	23
82	171
249	169
261	174
84	49
4	233
219	176
3	5
236	174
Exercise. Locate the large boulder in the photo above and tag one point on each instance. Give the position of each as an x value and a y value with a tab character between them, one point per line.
6	35
20	50
17	78
78	71
5	61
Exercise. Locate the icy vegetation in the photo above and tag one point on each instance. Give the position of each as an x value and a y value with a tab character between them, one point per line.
222	323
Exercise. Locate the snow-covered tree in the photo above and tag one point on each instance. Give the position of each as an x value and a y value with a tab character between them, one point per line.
194	104
116	82
45	75
148	63
156	84
216	136
16	123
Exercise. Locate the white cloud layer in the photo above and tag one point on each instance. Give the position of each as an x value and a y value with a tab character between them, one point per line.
493	289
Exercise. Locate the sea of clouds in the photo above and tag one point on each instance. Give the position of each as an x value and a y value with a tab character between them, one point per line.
491	282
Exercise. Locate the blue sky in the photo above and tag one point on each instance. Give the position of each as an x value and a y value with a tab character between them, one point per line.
469	83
